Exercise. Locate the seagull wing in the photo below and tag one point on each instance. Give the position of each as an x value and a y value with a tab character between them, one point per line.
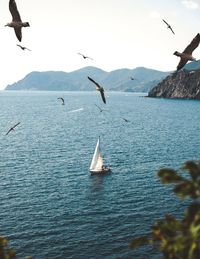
62	99
23	48
98	107
16	125
102	95
97	85
166	22
182	63
193	45
20	46
80	54
14	12
90	58
171	30
9	131
18	33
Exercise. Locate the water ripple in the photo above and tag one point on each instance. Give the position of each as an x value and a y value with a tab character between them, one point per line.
51	207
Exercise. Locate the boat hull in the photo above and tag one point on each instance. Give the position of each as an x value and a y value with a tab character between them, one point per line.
105	171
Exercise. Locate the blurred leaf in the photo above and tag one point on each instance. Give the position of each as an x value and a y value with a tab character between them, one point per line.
5	251
140	241
178	238
173	223
192	212
168	176
11	254
3	241
193	168
184	189
193	251
188	189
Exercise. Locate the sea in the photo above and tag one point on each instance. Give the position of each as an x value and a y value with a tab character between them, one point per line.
51	207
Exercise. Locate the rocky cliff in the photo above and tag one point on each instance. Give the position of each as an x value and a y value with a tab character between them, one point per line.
184	84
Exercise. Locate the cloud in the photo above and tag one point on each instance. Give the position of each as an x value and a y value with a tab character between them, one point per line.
190	4
155	15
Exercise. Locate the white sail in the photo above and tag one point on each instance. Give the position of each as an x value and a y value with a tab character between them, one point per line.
95	156
97	165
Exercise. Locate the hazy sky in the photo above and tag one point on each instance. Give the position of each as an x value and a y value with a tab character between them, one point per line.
115	33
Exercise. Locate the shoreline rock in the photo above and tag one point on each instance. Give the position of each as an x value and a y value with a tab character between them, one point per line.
184	84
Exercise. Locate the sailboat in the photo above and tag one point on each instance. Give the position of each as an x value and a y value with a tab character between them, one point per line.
97	166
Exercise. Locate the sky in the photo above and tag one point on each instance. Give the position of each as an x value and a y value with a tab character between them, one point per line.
115	33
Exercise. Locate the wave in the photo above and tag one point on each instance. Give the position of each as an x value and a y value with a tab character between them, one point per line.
77	110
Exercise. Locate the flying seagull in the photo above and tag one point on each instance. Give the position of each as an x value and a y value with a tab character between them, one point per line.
62	99
125	119
98	88
132	78
16	23
12	128
23	48
186	55
169	26
85	56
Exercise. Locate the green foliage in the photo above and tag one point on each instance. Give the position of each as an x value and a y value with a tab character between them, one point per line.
178	238
5	251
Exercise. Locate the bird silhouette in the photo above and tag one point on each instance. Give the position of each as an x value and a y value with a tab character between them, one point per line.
85	57
98	88
186	55
62	99
101	110
125	119
12	128
168	26
23	48
16	23
132	78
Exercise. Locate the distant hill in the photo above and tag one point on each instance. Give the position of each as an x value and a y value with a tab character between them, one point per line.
184	84
117	80
195	65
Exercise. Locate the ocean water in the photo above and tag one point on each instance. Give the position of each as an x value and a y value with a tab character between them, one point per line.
51	207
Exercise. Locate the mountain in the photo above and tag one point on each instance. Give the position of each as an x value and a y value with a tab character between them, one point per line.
184	84
117	80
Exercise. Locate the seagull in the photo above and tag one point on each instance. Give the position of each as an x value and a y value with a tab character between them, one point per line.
23	48
85	56
16	23
169	26
132	78
99	88
62	99
101	110
12	128
125	119
186	55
